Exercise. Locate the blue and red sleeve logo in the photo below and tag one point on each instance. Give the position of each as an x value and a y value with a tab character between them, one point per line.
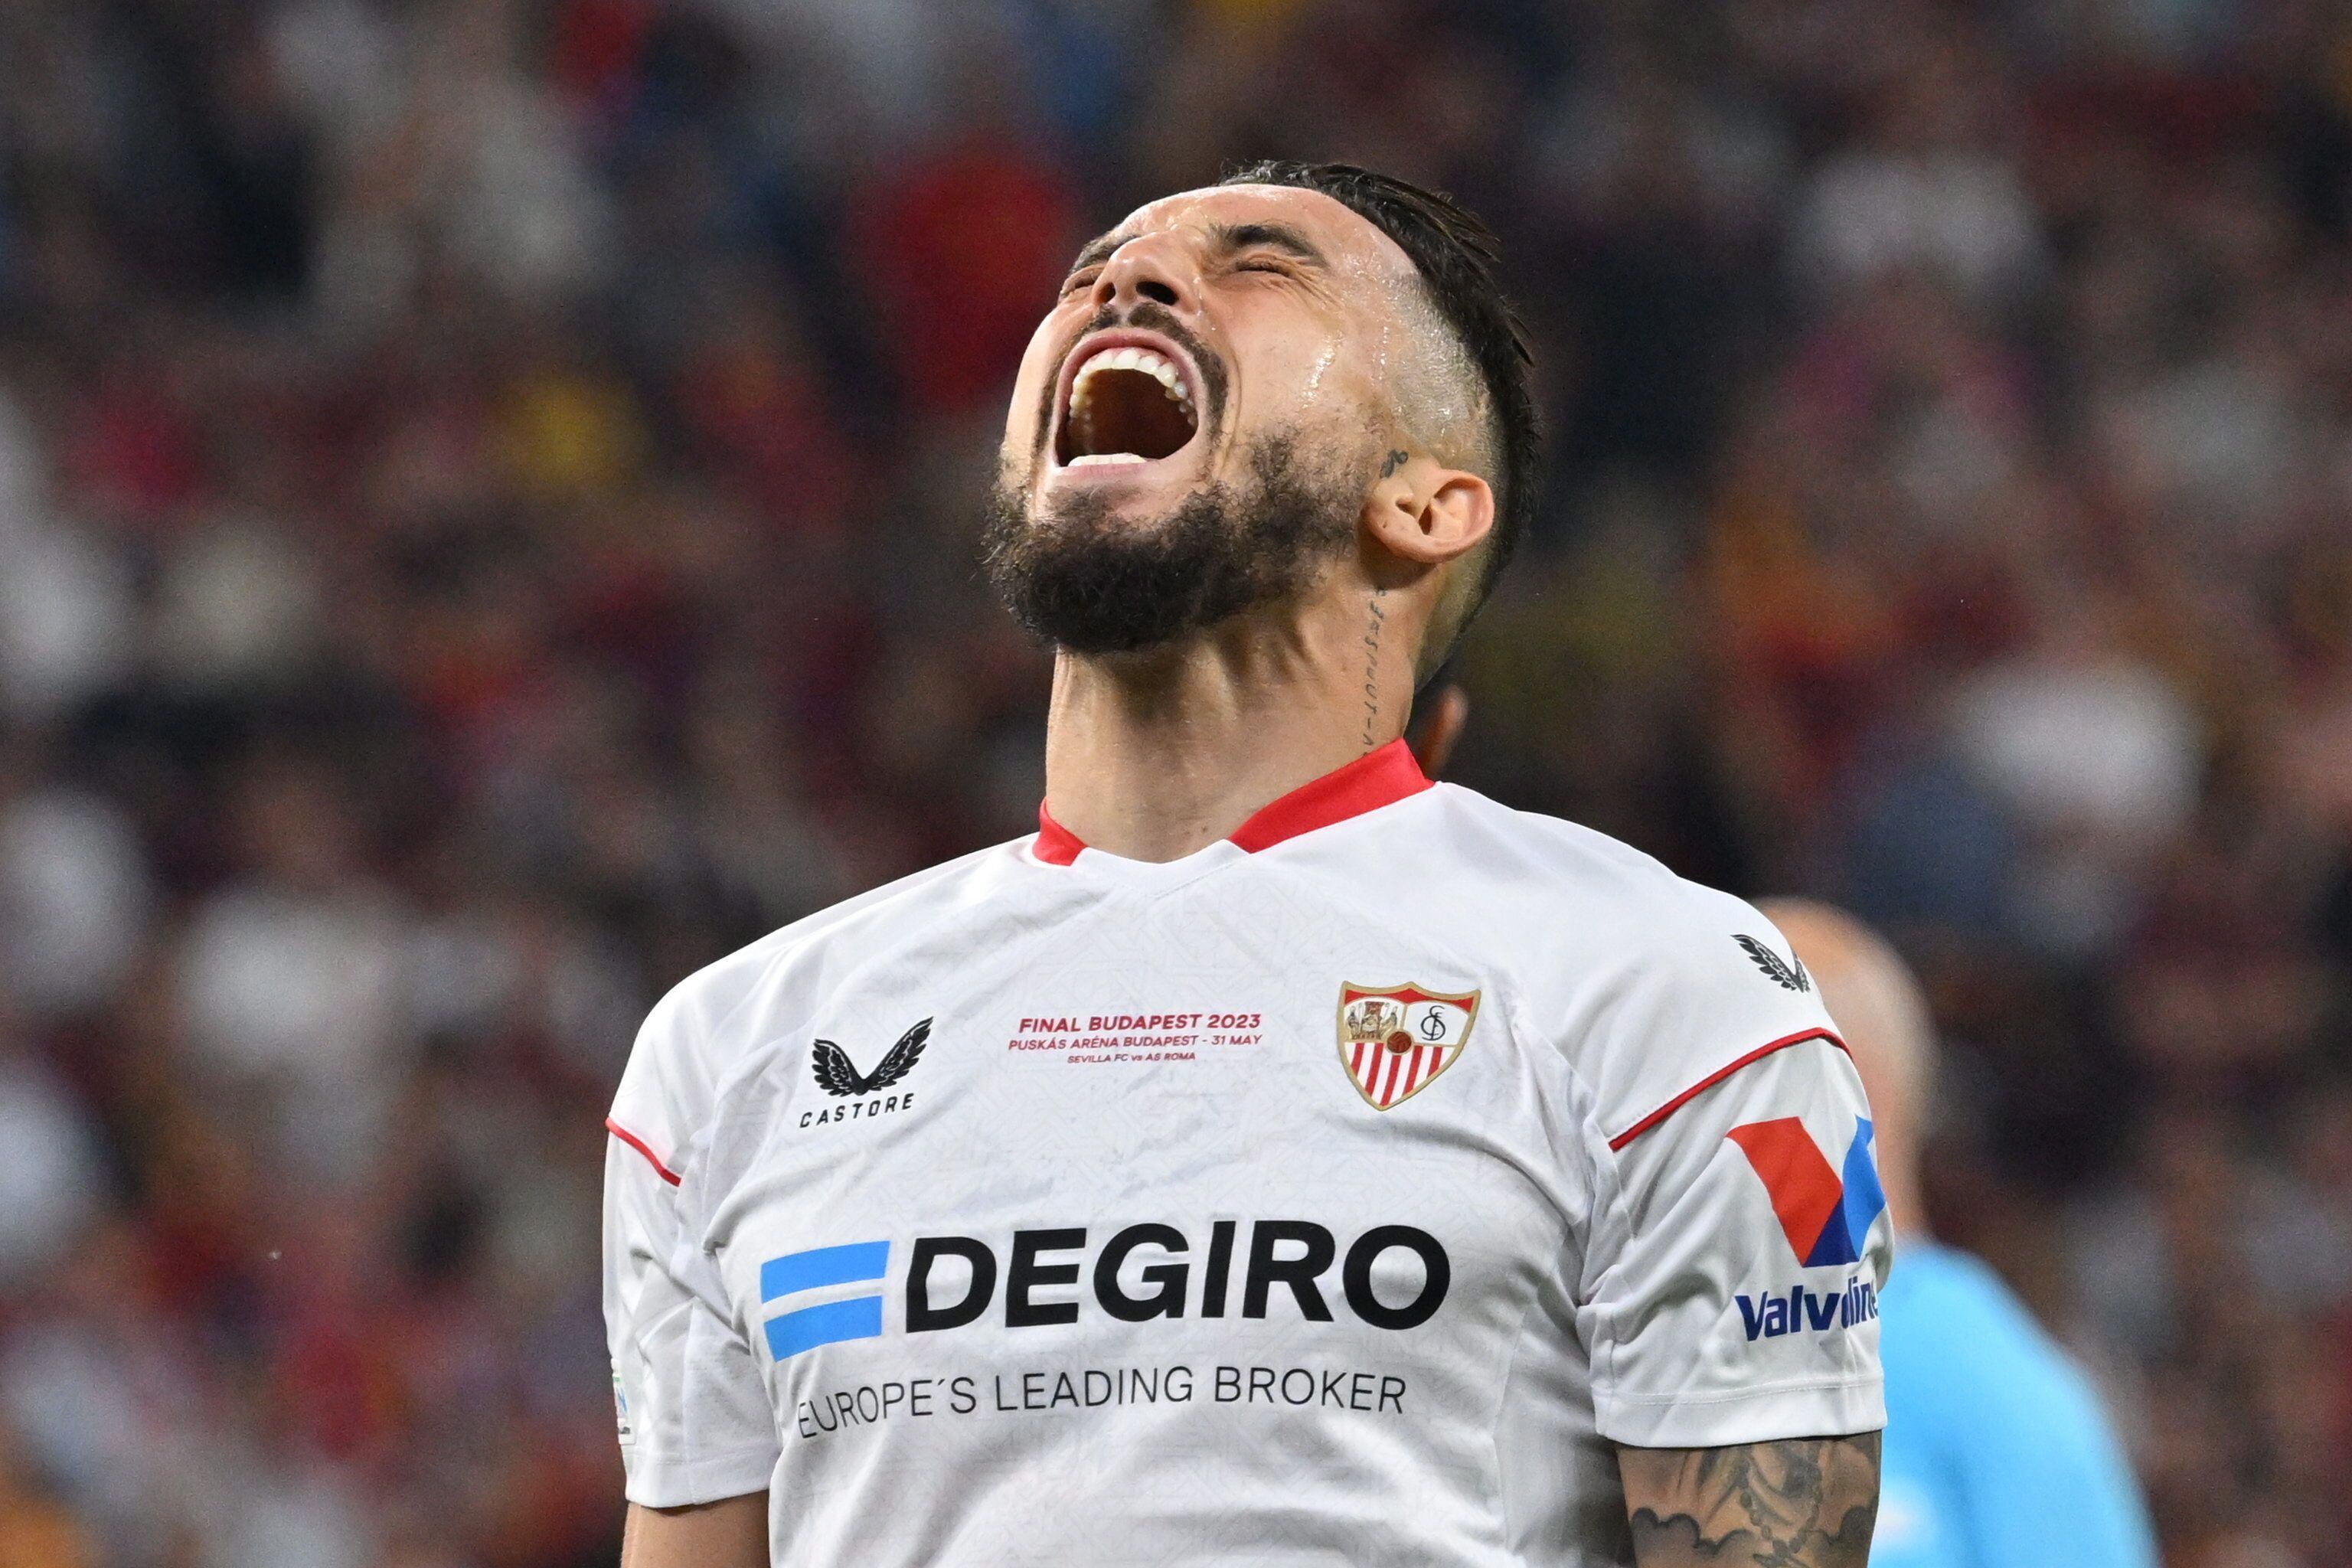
1826	1214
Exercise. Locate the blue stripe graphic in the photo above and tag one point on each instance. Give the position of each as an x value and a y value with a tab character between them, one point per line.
1865	1200
824	1266
858	1318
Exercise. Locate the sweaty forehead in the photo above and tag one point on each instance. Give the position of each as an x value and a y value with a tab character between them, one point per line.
1352	242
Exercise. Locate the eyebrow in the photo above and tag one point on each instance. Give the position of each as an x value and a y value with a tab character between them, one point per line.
1229	238
1225	237
1101	248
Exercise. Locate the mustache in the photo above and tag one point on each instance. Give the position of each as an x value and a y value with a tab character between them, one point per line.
1152	316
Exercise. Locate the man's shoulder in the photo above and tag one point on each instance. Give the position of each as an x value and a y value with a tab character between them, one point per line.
1651	984
1579	882
1951	1321
713	992
1944	1288
708	1027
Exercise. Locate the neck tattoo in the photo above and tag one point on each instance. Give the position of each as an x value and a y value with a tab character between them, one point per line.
1372	627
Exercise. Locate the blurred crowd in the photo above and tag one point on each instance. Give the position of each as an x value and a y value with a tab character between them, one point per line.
487	493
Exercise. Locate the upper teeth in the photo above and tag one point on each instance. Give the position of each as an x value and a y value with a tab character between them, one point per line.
1144	360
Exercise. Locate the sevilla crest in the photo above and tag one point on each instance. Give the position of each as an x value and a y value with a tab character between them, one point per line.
1393	1040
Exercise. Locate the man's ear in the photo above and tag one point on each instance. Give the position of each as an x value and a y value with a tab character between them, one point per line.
1427	512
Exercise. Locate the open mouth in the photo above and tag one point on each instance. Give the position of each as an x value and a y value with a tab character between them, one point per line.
1127	403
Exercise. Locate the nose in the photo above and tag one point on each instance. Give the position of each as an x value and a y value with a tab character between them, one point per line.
1149	267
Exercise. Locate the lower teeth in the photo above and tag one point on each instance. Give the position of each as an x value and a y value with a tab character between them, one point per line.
1092	459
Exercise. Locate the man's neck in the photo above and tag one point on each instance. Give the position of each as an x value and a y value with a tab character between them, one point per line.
1154	756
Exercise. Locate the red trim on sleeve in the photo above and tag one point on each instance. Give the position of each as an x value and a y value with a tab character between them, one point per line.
1716	1076
1056	845
633	1142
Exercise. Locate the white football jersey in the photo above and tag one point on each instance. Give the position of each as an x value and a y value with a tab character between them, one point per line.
1340	1194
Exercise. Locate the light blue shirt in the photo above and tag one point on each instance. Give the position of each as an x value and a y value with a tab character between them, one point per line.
1997	1452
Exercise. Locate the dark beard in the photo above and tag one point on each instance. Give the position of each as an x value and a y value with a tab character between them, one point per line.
1086	581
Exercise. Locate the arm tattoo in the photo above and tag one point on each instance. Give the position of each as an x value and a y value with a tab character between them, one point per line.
1806	1503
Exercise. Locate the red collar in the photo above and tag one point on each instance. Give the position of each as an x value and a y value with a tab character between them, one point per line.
1373	780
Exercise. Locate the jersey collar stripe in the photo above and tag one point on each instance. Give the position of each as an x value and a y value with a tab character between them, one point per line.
1056	845
633	1142
1376	779
1716	1076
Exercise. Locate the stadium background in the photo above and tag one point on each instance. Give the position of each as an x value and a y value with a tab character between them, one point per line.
486	505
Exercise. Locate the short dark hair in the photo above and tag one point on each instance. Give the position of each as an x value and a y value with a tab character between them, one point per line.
1455	253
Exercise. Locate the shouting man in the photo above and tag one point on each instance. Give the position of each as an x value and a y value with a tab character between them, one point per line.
1277	1158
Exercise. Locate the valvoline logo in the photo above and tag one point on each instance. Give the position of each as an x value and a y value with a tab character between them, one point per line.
1826	1214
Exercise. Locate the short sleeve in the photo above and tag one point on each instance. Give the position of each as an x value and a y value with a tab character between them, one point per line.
1731	1281
695	1422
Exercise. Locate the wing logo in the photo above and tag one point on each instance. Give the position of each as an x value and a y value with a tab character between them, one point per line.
837	1074
1789	972
1825	1214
